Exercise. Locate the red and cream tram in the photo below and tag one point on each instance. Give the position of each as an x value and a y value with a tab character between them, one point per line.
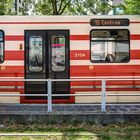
66	47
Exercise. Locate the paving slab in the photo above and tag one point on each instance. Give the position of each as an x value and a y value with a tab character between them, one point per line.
66	109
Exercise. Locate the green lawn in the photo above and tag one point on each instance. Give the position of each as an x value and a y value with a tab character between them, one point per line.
72	132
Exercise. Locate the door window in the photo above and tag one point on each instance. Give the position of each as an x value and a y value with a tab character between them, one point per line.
35	53
1	46
58	53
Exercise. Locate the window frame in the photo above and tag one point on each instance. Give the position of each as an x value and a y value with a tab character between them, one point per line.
42	54
3	46
51	54
110	41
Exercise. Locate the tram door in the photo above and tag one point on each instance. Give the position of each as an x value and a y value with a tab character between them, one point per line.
46	56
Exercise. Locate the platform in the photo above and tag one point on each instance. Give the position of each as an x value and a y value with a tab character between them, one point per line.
69	109
22	113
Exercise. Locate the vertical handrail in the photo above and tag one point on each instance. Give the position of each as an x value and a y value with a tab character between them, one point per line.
49	83
103	100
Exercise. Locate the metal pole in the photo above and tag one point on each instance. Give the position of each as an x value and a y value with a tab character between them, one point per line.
103	103
49	95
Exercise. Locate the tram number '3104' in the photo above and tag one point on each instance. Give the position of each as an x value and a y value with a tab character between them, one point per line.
80	55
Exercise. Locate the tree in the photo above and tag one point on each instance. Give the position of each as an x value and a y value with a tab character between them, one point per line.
28	5
2	7
101	7
130	7
6	7
51	7
72	7
76	7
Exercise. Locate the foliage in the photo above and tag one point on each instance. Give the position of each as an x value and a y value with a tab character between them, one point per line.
2	7
28	6
51	7
72	7
5	7
130	7
97	7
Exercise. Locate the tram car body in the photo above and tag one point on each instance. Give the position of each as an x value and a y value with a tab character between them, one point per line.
67	47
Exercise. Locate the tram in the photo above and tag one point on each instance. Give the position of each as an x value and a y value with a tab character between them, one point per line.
68	47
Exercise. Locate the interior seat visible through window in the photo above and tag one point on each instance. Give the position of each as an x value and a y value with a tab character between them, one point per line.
110	45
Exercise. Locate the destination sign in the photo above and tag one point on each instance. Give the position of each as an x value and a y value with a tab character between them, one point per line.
109	22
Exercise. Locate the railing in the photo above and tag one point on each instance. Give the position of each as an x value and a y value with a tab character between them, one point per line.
49	85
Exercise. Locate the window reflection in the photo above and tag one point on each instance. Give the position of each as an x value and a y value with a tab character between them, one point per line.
1	47
110	46
35	53
58	53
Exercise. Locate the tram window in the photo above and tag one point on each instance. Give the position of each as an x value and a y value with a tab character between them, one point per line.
1	46
110	46
58	53
35	53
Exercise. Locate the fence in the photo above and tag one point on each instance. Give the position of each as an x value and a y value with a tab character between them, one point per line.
49	85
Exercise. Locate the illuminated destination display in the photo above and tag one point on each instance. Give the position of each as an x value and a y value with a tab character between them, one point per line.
109	22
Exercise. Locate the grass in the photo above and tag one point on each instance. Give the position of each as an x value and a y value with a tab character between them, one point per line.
77	131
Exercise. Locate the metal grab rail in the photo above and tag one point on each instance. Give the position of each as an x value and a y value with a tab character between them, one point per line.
21	79
49	85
